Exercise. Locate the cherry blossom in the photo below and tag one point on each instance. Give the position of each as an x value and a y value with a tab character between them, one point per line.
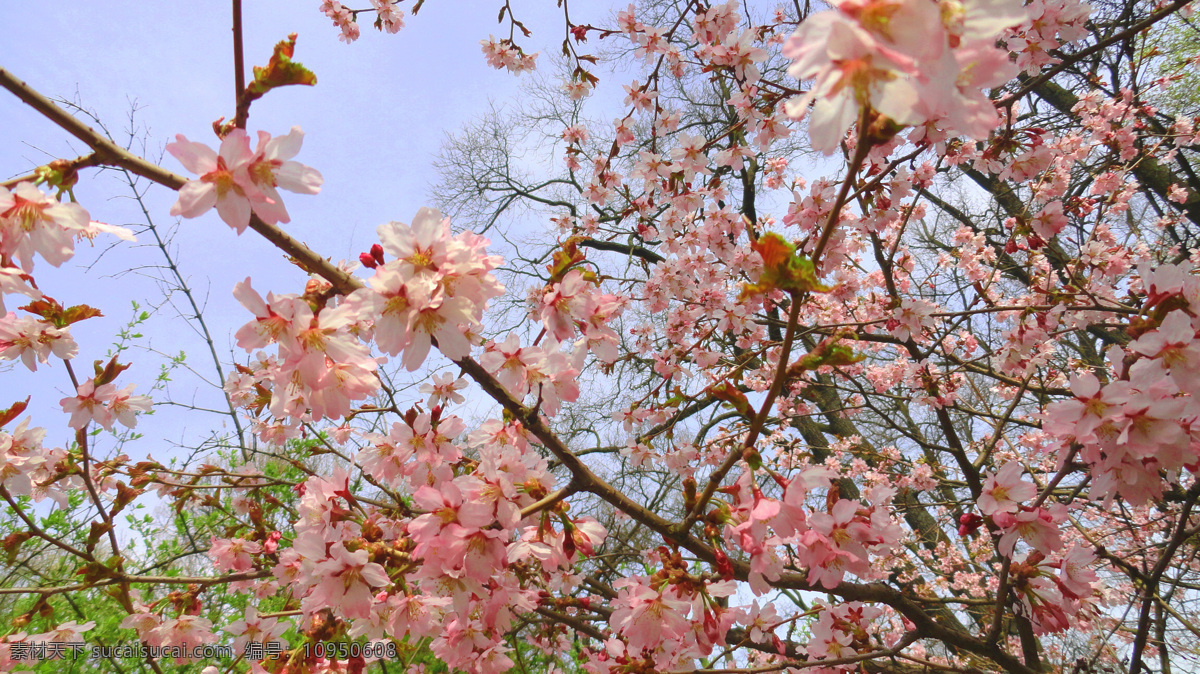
239	181
445	388
69	632
271	167
90	404
1004	491
647	617
34	341
31	222
258	629
233	554
187	631
345	581
503	54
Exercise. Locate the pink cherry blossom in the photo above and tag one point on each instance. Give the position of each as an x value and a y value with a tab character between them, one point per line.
188	631
1038	528
913	317
253	627
239	181
646	617
503	54
69	632
34	341
233	554
223	181
906	59
32	221
445	388
1075	575
124	406
510	363
415	615
15	282
1174	343
271	167
345	580
847	64
564	303
1004	490
90	404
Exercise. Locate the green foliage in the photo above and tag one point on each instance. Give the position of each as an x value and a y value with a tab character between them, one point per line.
280	71
1175	47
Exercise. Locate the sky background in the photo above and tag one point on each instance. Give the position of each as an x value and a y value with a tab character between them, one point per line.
373	125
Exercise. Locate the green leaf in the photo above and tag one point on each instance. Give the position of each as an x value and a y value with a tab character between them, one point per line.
783	268
53	313
727	392
14	411
828	352
280	71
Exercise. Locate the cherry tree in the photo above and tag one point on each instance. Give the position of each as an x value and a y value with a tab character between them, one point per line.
863	338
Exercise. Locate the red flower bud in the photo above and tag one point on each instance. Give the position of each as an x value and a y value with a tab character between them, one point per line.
724	566
569	546
969	523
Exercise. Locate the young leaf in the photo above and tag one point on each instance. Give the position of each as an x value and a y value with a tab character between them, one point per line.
14	411
280	71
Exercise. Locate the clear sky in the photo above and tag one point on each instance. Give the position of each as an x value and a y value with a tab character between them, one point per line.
372	125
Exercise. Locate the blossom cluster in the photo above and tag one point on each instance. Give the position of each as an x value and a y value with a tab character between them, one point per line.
34	340
433	289
27	467
914	61
1141	424
504	55
104	404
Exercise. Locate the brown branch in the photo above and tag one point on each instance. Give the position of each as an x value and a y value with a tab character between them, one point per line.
239	69
1151	585
82	161
861	148
131	578
106	151
549	500
37	531
756	425
572	622
638	251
